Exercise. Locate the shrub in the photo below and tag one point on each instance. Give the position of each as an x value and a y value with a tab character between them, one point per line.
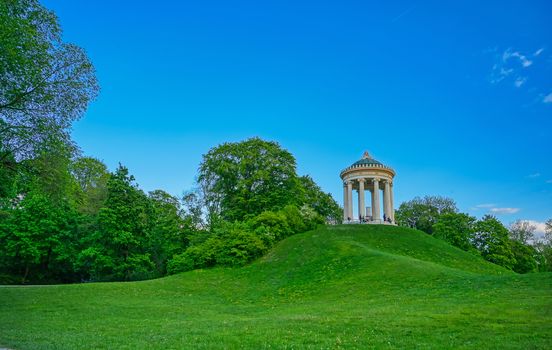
273	226
238	243
524	257
239	247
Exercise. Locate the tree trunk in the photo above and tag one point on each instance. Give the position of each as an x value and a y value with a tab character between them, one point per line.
25	275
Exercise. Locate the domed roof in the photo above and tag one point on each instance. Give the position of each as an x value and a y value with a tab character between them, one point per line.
366	162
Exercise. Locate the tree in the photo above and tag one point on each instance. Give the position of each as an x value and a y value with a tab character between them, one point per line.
91	176
45	84
491	239
455	228
544	248
192	209
524	256
118	251
548	231
243	179
38	240
8	173
322	203
169	231
423	213
48	172
522	231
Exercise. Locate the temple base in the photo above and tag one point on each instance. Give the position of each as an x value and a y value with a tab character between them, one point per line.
369	222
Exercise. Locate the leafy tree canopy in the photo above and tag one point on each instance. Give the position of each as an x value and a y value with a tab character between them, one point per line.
322	203
91	176
245	178
522	231
455	228
45	83
491	239
423	213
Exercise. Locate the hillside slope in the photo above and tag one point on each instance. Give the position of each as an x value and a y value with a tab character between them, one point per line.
346	286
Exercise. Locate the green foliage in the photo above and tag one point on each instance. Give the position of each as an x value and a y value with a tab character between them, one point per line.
243	179
45	84
123	229
525	257
48	172
91	176
38	239
455	228
271	226
238	243
522	231
544	249
8	173
491	239
230	245
168	230
423	213
322	203
544	256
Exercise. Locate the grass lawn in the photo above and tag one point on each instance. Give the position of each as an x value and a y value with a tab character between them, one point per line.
346	286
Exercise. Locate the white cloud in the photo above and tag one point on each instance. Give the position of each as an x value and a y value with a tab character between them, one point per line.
511	65
540	226
504	210
504	67
534	176
525	62
500	73
486	205
483	206
520	81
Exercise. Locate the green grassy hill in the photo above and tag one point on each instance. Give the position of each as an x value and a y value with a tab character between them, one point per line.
337	287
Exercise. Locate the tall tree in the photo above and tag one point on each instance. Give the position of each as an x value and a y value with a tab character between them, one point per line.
8	173
168	229
91	176
246	178
322	203
526	257
38	240
423	213
455	228
45	83
522	231
491	239
119	249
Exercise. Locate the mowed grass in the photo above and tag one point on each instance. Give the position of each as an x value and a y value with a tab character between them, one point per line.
336	287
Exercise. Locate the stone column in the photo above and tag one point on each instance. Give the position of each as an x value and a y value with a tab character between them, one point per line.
345	201
350	199
386	200
361	206
392	206
375	201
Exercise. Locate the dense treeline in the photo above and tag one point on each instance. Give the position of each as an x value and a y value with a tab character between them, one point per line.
517	248
66	218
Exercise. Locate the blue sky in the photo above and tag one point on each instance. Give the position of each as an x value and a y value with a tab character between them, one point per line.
455	96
